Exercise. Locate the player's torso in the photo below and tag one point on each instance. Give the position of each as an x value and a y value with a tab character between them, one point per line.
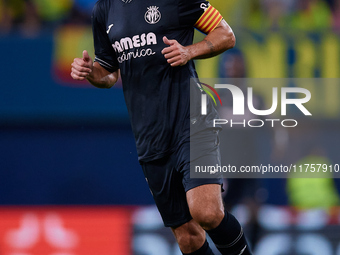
156	94
136	28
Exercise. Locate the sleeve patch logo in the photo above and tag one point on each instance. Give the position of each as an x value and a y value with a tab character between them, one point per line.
109	28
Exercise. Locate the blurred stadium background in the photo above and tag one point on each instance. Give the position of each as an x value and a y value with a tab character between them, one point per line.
70	183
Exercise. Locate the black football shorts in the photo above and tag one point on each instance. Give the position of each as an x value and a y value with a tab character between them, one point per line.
169	177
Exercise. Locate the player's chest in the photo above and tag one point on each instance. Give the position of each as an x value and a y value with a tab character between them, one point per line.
137	19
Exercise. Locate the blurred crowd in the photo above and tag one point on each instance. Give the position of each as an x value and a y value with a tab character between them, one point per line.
33	16
306	15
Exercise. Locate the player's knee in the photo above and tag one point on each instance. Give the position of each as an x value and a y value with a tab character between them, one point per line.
186	240
208	218
189	236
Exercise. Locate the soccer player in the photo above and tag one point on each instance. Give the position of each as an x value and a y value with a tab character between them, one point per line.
151	44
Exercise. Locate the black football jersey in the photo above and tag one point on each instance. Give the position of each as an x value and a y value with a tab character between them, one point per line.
128	36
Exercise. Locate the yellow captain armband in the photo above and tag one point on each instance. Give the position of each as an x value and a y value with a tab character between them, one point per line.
209	20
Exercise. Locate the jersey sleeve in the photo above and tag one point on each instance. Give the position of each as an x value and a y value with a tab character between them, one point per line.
199	14
104	52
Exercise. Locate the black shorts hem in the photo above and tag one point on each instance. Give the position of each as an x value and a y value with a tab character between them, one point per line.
201	182
178	222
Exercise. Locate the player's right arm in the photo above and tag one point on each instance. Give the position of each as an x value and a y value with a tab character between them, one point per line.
98	76
103	71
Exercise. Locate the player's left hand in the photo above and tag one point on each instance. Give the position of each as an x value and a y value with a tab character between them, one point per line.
176	54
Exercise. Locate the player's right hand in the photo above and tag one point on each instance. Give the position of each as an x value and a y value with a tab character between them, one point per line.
82	67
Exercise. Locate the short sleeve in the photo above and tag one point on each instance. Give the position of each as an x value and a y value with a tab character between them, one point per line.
104	52
191	10
199	14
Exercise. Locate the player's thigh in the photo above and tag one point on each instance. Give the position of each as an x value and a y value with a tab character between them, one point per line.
202	149
205	205
204	196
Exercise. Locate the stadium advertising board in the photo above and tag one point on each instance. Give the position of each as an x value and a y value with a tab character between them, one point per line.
65	231
139	231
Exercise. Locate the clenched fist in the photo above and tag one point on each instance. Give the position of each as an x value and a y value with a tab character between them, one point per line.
82	67
176	54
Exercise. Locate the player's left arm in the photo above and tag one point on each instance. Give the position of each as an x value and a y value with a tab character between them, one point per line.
218	40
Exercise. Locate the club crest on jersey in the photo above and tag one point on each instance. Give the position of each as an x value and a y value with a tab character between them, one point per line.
153	15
